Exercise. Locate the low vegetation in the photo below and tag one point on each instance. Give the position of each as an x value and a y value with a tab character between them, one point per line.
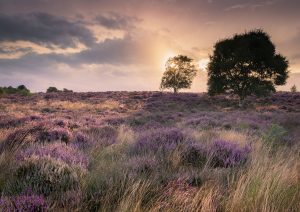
149	151
18	90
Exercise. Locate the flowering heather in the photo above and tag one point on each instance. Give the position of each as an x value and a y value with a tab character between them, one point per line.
8	121
44	176
61	122
55	134
228	154
104	135
58	151
149	151
81	140
166	139
142	165
23	203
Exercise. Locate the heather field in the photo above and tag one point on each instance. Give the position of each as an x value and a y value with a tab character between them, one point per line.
149	151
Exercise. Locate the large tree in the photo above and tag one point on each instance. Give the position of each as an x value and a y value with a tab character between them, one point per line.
180	72
246	64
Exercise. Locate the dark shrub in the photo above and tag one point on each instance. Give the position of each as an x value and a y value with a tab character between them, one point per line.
55	134
52	90
228	154
142	165
195	154
67	90
11	90
46	177
81	140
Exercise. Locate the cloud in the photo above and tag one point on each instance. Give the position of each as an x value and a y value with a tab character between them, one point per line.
116	21
44	29
235	7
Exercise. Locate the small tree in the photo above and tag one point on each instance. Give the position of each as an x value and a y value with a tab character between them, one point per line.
294	89
246	64
52	90
180	72
65	90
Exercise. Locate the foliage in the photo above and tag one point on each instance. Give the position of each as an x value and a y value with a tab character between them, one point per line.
46	177
55	134
52	90
58	151
180	72
294	89
246	64
67	90
21	89
228	154
195	154
164	140
190	152
275	135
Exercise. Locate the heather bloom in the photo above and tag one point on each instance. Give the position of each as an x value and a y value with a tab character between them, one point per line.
23	203
142	165
228	154
61	122
159	140
58	151
55	134
81	140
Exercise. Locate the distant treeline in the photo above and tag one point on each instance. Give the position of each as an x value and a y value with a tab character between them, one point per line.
21	89
55	90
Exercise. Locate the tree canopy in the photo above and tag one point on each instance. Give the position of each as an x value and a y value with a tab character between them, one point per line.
179	74
246	64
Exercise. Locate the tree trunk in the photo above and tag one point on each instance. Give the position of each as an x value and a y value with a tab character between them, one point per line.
241	101
175	90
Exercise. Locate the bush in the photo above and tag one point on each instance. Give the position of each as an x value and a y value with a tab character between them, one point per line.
67	90
142	165
164	140
294	89
195	155
228	154
46	177
52	90
21	89
55	134
26	202
58	151
81	140
275	135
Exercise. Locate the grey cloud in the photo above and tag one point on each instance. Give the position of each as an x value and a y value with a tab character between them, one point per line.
116	52
111	51
44	29
116	21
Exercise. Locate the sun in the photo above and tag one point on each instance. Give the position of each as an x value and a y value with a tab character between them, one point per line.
202	63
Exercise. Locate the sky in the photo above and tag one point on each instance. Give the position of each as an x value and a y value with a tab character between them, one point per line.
116	45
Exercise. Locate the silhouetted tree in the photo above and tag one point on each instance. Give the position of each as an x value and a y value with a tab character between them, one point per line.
246	64
180	72
52	90
294	89
67	90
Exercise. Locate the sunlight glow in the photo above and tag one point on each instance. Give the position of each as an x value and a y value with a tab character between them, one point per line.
203	64
165	58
